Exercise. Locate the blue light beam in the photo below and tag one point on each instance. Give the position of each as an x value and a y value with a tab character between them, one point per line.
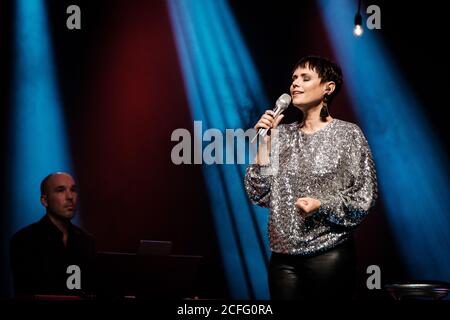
39	144
218	71
411	165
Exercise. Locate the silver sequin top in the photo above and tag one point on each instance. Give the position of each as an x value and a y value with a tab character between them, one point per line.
333	165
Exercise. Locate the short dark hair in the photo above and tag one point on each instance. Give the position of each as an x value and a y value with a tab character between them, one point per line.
325	68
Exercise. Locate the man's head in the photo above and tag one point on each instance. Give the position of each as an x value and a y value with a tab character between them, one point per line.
59	195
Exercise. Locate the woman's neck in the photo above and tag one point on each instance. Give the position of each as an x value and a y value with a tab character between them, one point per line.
312	120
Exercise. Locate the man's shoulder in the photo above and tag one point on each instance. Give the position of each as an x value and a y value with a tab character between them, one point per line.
28	233
80	231
82	234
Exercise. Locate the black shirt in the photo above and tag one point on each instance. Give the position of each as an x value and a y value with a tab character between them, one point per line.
39	259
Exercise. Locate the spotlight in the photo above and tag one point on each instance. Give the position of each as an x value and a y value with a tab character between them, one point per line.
358	29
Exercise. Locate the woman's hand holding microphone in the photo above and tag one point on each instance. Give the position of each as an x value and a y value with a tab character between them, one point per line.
266	121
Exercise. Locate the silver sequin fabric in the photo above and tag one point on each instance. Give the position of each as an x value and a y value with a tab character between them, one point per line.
333	165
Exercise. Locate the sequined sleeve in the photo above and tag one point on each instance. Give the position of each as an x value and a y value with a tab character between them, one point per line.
349	206
257	185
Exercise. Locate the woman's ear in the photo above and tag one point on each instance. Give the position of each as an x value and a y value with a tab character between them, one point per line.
329	88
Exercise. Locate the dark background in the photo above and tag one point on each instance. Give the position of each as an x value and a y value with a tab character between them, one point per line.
125	55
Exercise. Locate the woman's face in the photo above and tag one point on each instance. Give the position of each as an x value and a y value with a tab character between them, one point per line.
306	89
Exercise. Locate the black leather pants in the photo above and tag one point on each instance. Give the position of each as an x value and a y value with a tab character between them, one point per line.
328	275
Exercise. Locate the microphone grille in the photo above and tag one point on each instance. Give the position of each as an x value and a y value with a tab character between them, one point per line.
283	101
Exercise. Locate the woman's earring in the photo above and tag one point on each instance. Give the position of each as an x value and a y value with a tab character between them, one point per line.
324	111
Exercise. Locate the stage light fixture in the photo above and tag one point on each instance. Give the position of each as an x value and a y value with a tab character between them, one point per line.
358	29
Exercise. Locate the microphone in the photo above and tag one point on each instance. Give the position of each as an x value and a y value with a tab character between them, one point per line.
282	104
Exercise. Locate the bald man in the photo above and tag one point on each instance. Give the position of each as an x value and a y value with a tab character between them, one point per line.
42	252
